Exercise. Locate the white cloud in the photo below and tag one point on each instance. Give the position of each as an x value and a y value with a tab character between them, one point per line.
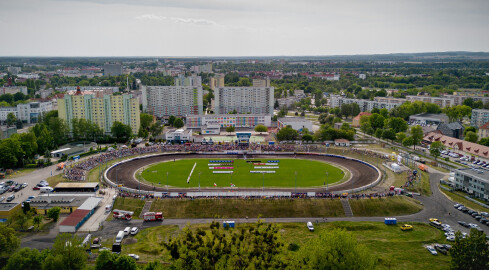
153	17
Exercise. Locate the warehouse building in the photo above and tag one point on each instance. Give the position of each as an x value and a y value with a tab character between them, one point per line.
74	221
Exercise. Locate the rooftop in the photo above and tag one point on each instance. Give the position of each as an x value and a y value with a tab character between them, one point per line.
480	173
293	120
7	206
75	218
47	202
76	185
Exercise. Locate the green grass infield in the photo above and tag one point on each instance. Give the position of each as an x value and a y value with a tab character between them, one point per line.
309	173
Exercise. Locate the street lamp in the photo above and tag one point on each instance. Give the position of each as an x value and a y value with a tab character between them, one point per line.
327	174
295	182
166	181
199	180
263	180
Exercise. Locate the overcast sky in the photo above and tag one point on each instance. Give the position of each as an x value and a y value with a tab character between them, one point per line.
240	27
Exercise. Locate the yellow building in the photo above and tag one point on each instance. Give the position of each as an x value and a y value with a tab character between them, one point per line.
217	81
102	111
7	209
66	202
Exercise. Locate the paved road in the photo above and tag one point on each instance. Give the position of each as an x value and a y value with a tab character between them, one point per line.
437	205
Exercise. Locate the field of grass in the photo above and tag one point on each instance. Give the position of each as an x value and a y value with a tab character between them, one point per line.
461	199
240	208
129	204
309	174
393	248
399	205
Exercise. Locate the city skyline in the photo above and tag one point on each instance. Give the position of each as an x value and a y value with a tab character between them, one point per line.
239	28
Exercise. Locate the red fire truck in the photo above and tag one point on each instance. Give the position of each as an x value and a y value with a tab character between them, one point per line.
122	214
153	216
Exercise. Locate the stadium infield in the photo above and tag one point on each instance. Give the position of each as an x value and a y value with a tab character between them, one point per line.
310	173
361	174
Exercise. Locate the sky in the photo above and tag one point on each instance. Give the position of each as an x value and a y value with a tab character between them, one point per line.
240	27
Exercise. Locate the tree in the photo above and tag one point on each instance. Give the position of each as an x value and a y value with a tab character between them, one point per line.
471	137
67	253
171	120
287	133
37	220
9	242
378	133
26	259
470	253
59	129
261	128
400	136
389	134
258	247
121	131
178	123
124	262
408	141
53	213
376	121
335	249
436	148
142	133
145	120
397	124
417	135
230	129
106	261
11	119
484	141
156	129
11	153
19	124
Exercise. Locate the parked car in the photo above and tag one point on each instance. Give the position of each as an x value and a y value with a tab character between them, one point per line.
441	249
451	238
463	223
309	226
2	199
431	250
127	230
10	198
134	230
406	227
434	219
134	256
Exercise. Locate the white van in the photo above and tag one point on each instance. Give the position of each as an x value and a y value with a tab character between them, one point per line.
46	189
310	227
108	207
127	230
119	237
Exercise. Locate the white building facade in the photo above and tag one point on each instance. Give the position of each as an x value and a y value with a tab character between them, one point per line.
179	101
243	100
28	113
479	117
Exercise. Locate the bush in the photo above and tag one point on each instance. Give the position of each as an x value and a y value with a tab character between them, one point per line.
30	166
293	247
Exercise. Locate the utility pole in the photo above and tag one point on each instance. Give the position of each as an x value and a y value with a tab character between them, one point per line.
166	181
263	180
295	182
199	180
327	174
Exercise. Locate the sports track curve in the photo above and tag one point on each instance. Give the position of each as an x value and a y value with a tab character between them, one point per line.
123	173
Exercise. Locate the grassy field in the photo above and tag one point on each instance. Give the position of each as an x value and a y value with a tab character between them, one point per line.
393	248
391	206
129	204
239	208
461	199
309	174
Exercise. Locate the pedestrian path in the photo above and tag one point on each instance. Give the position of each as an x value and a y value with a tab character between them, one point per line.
347	208
146	208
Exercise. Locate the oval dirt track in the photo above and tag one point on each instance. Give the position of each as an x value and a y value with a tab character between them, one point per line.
361	174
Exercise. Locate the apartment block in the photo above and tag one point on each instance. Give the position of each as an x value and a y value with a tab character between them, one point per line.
28	113
473	181
101	111
216	81
179	101
261	82
243	100
479	117
112	69
193	80
365	104
227	120
440	101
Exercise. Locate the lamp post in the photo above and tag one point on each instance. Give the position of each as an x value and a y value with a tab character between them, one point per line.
295	173
199	180
263	180
166	181
327	174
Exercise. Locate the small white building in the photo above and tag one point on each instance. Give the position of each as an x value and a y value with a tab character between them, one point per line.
178	136
211	128
297	123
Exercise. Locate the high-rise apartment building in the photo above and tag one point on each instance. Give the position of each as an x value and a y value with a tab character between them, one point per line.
261	82
179	101
254	100
112	69
193	80
102	111
479	117
28	112
216	81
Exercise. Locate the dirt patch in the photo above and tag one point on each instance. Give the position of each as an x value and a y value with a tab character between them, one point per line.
129	241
